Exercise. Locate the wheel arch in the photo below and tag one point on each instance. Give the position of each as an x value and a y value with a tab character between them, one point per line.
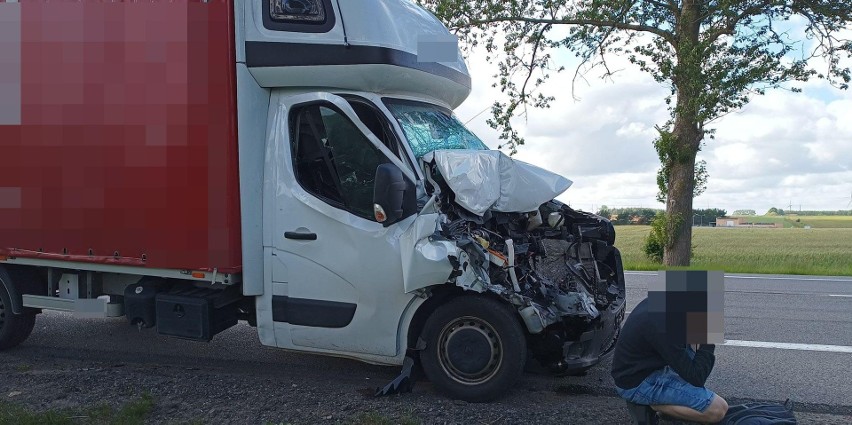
18	280
441	294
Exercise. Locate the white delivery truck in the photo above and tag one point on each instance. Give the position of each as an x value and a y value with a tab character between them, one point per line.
295	164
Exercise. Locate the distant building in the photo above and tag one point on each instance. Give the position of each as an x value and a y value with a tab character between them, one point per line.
742	222
729	221
638	219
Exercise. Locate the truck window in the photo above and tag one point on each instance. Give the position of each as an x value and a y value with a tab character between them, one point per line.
297	10
375	124
333	159
375	120
309	16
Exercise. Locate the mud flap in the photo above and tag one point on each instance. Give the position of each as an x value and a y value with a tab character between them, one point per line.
404	383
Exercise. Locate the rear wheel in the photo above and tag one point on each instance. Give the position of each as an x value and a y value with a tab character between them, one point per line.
475	348
14	328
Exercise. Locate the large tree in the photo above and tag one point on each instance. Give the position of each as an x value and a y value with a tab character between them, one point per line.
713	55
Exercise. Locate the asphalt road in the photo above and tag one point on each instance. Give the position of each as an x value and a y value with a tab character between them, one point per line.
759	309
782	309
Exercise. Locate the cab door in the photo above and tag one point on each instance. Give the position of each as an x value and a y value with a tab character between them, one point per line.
334	272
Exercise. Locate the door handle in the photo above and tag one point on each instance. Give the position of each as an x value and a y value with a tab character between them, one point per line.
300	236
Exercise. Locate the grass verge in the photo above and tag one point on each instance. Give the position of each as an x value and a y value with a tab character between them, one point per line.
826	252
132	413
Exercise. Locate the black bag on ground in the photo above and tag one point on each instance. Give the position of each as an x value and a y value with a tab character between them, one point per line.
760	413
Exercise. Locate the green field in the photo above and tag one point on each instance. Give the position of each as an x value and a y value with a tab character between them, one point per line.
818	251
824	221
800	221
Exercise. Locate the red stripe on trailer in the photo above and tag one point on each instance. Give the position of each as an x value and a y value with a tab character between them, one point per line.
127	143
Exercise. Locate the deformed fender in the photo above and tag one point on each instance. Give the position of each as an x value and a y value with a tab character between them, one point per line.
425	261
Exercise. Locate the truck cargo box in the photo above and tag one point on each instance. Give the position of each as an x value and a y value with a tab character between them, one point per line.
121	144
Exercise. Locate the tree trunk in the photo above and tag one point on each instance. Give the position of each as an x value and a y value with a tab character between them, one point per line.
679	208
687	135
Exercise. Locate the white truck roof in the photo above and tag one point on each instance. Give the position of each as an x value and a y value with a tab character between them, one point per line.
380	46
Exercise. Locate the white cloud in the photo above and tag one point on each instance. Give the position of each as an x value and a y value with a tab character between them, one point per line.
782	148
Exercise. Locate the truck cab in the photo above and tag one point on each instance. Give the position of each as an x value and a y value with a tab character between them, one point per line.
344	209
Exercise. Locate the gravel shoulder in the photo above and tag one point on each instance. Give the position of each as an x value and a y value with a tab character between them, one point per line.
245	395
332	391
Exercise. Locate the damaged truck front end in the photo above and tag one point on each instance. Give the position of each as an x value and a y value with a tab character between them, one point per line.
563	277
492	229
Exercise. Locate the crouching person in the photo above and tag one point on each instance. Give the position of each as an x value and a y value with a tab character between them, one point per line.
655	364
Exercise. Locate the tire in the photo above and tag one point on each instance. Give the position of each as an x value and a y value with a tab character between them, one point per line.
14	328
475	348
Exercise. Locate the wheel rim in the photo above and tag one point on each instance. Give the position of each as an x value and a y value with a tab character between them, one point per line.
470	351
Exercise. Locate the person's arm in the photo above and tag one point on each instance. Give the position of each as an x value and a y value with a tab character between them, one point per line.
695	371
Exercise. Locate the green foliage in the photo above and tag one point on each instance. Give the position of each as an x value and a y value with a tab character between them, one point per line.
629	215
661	236
775	211
670	152
713	213
655	242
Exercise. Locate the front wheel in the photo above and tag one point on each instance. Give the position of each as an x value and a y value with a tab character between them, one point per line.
14	328
475	348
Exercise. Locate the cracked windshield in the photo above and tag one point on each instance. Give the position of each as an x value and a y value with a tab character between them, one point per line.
429	128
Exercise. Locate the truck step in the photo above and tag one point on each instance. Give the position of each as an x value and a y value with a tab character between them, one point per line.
88	308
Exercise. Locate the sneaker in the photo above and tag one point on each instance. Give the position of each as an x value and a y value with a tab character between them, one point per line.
642	414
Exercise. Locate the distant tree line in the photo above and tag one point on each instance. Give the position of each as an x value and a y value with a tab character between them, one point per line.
645	216
713	213
779	211
628	215
708	216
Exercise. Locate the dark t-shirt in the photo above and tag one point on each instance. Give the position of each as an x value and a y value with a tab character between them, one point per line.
643	347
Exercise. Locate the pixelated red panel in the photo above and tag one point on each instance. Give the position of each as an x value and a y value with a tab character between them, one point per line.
127	140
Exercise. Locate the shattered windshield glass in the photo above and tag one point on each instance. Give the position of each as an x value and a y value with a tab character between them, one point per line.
429	127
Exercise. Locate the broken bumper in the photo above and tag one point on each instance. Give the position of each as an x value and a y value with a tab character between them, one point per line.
594	344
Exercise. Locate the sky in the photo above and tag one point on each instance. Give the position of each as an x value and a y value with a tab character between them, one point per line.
782	148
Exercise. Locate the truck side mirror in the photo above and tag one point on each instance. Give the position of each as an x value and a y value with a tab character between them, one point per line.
394	196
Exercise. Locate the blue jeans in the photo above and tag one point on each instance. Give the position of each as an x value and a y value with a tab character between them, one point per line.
666	387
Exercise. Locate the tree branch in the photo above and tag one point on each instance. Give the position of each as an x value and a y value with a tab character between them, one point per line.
731	25
592	22
669	5
531	67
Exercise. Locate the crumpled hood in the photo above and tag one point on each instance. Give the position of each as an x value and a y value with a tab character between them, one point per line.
490	180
